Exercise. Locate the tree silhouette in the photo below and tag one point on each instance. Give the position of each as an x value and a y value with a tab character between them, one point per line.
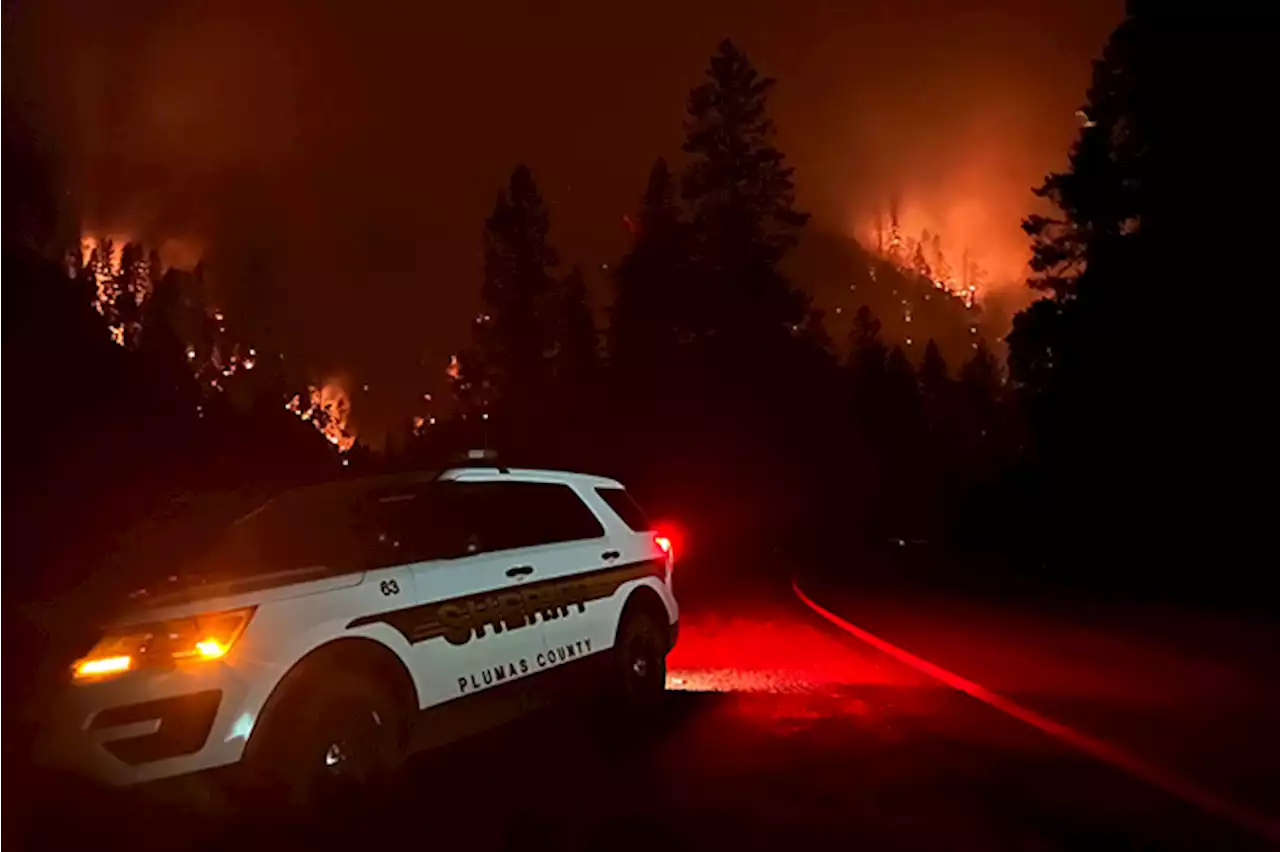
935	384
133	286
520	297
902	392
1104	193
939	409
649	309
1104	216
888	420
162	354
741	198
577	357
867	355
1096	363
35	202
919	264
981	391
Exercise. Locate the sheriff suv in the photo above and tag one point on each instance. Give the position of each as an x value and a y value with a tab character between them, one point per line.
337	628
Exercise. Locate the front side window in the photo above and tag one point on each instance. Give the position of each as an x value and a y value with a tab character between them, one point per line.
344	530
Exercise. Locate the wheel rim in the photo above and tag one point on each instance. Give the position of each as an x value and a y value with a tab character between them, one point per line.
352	750
642	663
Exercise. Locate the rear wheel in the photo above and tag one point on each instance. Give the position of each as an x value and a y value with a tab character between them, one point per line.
333	734
641	661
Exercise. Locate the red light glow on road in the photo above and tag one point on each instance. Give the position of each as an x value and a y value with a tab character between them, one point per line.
764	654
1156	776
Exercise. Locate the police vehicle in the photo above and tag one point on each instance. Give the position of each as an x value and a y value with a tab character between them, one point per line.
340	627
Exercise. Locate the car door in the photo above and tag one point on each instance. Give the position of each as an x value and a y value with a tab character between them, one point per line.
468	629
547	530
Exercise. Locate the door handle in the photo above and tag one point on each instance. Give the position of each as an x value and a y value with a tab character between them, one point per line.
610	554
520	571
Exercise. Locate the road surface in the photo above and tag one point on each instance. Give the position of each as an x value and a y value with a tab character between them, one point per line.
780	733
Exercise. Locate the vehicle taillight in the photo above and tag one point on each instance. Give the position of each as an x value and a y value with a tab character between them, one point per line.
665	543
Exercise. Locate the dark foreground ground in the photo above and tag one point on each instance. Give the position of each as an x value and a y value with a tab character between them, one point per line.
781	732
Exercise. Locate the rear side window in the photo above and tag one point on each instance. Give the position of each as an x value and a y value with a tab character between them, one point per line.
626	508
524	514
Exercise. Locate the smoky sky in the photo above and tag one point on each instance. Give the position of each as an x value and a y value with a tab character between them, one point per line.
334	162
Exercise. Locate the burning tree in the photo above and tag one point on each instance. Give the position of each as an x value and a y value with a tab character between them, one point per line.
153	310
137	296
328	408
925	258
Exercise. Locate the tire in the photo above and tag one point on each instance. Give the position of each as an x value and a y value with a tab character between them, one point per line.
334	734
640	662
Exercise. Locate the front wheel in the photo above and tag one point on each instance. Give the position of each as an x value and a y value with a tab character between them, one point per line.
641	662
336	733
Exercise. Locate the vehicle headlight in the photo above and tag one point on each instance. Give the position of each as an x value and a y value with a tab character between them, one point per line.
201	637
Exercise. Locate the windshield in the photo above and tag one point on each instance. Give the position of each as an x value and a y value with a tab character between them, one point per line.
298	530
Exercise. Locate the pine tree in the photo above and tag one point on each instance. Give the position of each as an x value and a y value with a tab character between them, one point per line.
935	388
741	196
520	296
37	211
737	185
933	367
920	264
1092	247
868	358
1091	361
649	309
1103	195
981	389
895	247
938	260
133	287
902	394
577	359
980	375
938	458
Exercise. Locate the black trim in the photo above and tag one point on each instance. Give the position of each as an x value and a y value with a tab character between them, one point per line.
462	618
185	722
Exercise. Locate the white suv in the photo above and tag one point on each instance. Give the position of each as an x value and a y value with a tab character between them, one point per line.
337	628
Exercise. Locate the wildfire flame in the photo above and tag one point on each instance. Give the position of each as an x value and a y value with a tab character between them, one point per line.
328	408
119	295
926	257
105	257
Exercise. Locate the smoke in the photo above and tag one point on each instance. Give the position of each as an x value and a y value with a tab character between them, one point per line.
333	163
951	115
